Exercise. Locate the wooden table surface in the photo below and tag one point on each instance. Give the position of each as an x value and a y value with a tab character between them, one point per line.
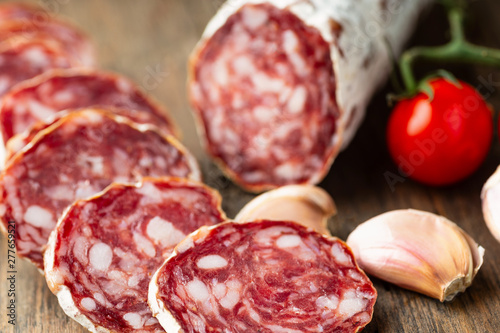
150	40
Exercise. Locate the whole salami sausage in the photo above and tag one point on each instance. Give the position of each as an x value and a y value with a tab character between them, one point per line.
279	86
101	255
264	276
72	40
38	99
75	158
22	59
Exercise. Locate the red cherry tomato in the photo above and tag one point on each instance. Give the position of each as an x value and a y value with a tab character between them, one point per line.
443	140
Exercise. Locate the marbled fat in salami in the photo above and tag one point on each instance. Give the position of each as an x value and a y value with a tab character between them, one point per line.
101	256
75	158
38	99
280	86
22	59
264	276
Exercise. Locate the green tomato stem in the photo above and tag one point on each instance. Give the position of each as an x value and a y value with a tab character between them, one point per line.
458	49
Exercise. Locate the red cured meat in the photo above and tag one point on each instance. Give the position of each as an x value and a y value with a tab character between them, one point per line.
22	59
16	10
264	276
69	38
102	254
263	90
75	158
39	99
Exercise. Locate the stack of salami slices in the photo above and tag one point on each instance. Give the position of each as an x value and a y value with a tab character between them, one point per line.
34	104
70	132
109	205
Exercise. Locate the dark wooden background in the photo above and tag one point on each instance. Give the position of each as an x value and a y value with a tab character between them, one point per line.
150	42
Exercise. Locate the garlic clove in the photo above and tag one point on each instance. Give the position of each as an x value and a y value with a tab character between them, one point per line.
308	205
419	251
491	203
477	252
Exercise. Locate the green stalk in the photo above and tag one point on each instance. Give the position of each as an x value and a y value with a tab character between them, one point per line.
458	49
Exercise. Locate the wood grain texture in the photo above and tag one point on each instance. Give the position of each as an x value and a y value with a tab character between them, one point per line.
137	38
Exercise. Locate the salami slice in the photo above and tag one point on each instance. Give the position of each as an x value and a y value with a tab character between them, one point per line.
17	10
75	158
38	99
22	59
101	256
21	140
279	86
265	276
72	40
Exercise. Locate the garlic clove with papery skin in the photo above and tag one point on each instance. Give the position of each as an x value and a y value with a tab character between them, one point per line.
491	204
419	251
308	205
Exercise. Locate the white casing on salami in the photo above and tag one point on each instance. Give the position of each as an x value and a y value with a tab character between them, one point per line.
361	51
158	309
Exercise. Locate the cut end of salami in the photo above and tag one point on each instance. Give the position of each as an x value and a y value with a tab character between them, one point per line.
263	89
102	254
75	158
35	101
264	276
279	87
